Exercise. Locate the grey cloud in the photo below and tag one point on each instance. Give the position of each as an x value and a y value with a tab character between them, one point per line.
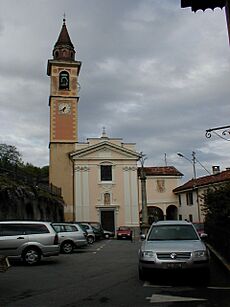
152	73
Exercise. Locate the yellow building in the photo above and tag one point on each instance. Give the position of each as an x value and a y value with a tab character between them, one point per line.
162	203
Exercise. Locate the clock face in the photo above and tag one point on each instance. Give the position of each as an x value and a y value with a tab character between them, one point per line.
64	108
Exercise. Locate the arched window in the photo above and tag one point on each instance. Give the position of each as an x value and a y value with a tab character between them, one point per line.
64	80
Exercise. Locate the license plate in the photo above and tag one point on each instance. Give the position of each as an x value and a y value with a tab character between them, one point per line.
174	265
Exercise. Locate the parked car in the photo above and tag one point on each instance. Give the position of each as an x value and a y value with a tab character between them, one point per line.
124	232
173	245
89	231
108	234
28	240
97	229
199	227
70	236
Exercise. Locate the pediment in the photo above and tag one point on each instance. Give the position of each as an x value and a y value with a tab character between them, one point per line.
104	151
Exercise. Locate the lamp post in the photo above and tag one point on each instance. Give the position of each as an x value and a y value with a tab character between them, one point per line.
145	224
193	161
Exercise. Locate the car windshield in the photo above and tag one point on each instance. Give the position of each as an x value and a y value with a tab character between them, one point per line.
124	228
172	232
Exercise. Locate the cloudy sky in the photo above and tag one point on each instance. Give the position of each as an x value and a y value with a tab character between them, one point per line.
152	73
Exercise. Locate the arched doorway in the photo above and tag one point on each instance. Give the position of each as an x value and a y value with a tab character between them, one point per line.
171	213
155	214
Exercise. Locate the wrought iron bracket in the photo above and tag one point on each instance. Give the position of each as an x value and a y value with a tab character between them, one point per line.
224	134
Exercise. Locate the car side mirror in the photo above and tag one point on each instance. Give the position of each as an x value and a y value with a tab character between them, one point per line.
204	236
143	236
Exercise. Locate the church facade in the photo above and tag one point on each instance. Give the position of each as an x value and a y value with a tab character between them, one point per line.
105	182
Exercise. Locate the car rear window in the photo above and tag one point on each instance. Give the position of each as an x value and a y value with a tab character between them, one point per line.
123	228
172	232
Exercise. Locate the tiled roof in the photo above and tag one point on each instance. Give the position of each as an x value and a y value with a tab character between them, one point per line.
204	181
161	171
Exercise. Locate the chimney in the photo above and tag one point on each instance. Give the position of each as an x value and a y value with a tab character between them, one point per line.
216	169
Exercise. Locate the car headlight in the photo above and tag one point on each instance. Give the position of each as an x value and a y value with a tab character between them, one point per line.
147	254
199	254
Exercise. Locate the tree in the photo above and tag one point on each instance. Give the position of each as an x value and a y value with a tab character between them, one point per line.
217	206
11	160
41	174
217	220
10	156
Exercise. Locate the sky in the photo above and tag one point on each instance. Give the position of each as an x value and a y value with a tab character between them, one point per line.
152	73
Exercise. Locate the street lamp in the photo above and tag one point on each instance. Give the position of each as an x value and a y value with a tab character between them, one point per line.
193	161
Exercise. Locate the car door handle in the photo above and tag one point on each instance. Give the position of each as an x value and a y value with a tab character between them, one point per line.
20	238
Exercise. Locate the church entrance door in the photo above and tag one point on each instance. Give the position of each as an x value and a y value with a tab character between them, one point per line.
107	220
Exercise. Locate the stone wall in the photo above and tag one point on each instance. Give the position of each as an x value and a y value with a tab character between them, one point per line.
29	203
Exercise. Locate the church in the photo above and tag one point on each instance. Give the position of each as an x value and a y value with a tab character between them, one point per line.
98	178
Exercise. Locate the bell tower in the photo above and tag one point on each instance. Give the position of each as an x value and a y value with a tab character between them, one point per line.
63	71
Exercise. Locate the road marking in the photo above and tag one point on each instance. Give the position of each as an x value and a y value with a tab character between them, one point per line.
148	284
178	288
98	249
157	298
219	288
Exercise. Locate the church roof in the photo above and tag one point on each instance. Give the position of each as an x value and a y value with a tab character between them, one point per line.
83	152
64	38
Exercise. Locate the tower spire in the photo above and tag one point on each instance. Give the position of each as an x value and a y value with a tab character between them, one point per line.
63	48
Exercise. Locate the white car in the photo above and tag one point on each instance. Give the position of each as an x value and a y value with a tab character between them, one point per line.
89	231
28	240
173	245
70	236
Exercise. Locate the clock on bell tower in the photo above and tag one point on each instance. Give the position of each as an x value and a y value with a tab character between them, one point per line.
63	70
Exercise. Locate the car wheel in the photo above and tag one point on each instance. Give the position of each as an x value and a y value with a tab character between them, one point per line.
67	247
107	236
90	239
31	256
